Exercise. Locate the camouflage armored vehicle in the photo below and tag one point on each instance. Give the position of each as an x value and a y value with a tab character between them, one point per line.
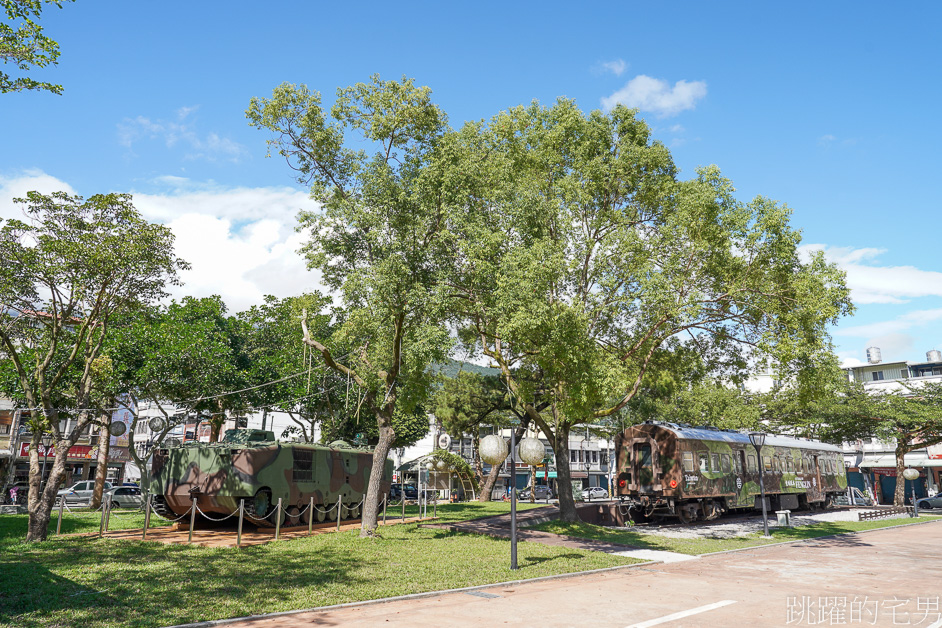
692	473
251	465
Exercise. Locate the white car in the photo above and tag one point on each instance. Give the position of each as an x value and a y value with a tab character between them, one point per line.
80	492
594	492
126	497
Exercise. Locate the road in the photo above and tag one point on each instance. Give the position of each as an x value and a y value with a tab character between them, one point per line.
888	577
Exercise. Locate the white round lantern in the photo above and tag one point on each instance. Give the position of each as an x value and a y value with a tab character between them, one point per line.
531	450
493	449
118	428
430	465
910	474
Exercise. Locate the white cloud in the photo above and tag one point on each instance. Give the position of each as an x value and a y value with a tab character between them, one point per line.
241	242
870	283
181	131
616	67
657	96
18	185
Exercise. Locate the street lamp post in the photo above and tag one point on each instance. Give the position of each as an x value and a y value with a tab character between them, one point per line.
46	440
912	475
758	440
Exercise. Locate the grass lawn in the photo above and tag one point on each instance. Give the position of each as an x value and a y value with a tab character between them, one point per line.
638	538
82	581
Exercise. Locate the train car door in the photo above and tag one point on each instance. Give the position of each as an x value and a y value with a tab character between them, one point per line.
816	491
643	466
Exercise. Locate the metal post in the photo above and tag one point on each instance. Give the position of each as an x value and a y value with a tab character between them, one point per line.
915	506
513	500
59	523
385	499
402	498
192	520
339	504
850	496
241	517
278	521
108	509
310	516
435	508
765	519
146	516
101	526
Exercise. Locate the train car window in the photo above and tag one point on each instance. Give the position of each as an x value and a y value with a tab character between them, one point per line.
726	465
716	462
767	462
752	464
740	461
688	462
704	462
644	455
790	465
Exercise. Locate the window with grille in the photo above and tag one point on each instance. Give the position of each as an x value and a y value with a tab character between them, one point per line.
303	465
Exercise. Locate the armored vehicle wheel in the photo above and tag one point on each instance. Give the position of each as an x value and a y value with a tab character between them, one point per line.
319	514
344	511
293	516
261	504
332	513
355	512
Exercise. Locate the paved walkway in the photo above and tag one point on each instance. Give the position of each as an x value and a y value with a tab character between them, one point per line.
887	577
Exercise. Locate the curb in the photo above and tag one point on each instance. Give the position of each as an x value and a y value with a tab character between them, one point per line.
411	596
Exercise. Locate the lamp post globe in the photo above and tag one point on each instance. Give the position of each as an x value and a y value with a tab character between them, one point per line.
531	450
493	449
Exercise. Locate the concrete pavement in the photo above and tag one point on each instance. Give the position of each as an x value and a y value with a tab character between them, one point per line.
887	577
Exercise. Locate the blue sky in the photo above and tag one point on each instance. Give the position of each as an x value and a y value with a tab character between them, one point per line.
828	107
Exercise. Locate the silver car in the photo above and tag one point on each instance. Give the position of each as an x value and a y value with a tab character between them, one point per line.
594	492
80	492
126	497
928	503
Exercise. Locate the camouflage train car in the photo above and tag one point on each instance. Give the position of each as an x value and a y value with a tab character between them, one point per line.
698	473
251	465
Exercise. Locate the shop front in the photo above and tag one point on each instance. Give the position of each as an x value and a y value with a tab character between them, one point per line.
881	472
81	463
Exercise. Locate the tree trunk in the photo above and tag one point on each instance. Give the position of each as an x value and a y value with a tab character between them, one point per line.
899	496
373	498
40	504
101	472
488	486
567	505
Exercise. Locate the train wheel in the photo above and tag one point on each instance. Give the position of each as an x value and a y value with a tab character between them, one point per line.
685	516
293	516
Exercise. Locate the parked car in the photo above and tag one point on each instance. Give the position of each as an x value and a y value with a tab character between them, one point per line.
80	492
927	503
541	492
395	491
126	497
594	492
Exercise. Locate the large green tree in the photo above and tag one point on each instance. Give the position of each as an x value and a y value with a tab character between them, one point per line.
24	45
375	238
579	254
65	273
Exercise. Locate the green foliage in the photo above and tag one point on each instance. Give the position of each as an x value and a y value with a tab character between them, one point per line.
580	260
454	462
23	44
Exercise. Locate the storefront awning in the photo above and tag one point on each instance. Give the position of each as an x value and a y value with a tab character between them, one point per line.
915	459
